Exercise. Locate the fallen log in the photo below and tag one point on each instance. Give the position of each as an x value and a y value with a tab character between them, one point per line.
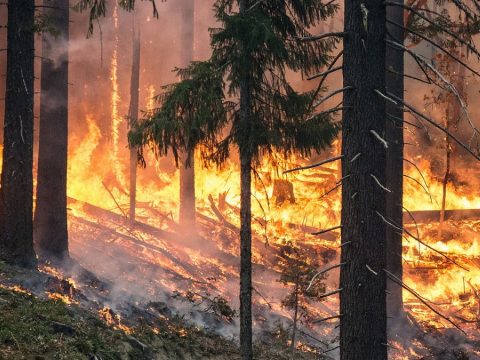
111	216
433	216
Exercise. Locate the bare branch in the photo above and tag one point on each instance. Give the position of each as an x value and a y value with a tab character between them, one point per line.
327	161
326	319
323	36
321	101
396	280
472	48
380	184
391	223
320	273
319	87
432	122
334	292
327	230
379	138
326	72
419	183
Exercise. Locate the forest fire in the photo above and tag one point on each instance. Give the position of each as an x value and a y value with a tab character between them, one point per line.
287	228
451	289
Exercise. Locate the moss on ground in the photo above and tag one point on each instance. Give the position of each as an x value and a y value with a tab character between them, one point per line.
35	329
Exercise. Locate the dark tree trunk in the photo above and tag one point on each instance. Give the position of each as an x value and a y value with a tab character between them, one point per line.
362	279
295	318
246	348
51	233
16	200
394	211
133	118
187	171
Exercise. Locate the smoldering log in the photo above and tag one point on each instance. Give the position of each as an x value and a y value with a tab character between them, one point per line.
429	216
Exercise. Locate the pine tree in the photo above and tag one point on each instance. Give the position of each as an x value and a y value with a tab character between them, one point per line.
133	118
16	198
50	224
253	48
187	210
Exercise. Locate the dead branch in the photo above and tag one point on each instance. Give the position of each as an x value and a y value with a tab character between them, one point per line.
327	161
323	36
220	217
391	223
115	200
327	230
415	11
334	292
326	72
421	185
319	87
320	273
433	123
322	100
332	349
327	318
396	280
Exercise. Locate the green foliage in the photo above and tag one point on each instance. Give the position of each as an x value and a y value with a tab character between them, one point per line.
298	266
184	119
261	46
98	9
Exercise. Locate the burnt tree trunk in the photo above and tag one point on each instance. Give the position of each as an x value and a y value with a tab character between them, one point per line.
133	118
187	170
51	233
246	348
295	317
362	279
395	85
16	199
453	115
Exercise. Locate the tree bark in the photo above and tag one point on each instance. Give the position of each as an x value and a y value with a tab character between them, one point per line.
133	118
16	199
51	232
246	347
362	279
295	318
395	85
187	171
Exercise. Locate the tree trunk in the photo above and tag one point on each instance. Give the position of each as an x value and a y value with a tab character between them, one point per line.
16	242
394	211
362	279
51	232
187	171
295	318
246	348
133	118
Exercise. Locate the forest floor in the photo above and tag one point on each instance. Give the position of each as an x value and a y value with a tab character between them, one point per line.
38	324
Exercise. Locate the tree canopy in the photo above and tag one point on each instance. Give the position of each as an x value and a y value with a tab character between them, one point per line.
264	43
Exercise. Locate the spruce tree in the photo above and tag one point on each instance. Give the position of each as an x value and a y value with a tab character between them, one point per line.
16	197
255	45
